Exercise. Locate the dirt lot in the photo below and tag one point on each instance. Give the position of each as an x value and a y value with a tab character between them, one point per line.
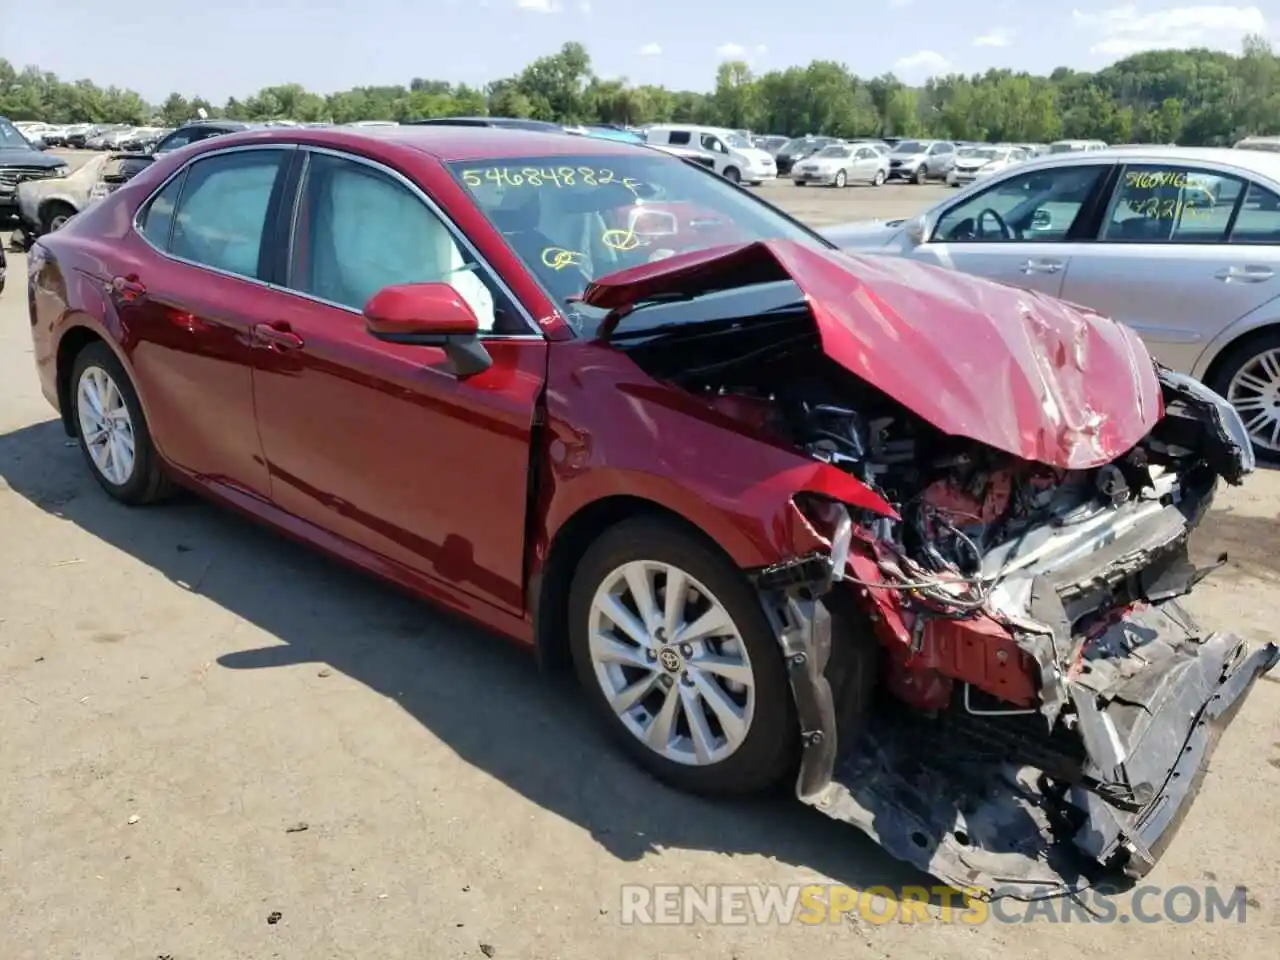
181	691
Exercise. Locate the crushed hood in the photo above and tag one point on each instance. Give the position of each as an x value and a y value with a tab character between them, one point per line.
1025	373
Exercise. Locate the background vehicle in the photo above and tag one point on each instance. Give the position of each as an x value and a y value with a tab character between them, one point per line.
20	162
715	422
797	149
1076	146
196	131
839	164
509	123
1181	244
45	205
731	154
770	144
974	163
921	160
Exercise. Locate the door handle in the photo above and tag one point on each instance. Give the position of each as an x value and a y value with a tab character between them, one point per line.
1246	274
278	335
128	288
1041	266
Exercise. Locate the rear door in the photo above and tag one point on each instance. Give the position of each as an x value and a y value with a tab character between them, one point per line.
190	294
1182	251
1021	230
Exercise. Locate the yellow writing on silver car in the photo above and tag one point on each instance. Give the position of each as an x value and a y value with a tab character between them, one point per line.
1151	179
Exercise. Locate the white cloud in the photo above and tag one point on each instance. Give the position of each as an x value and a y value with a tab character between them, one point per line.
731	51
651	50
585	6
996	37
897	4
761	49
1122	31
926	63
540	6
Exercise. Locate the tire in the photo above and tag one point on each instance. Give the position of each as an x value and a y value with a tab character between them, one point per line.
770	745
1234	361
798	183
55	214
840	181
879	179
732	175
146	481
921	176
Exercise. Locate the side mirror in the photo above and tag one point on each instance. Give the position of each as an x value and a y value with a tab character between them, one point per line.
429	315
917	229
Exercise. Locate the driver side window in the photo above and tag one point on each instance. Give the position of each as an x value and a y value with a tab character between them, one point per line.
1039	205
713	143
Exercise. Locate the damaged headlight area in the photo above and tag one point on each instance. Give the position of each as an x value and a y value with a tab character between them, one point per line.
999	685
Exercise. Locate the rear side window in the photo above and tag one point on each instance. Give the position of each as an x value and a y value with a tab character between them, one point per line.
222	212
156	220
1171	204
678	138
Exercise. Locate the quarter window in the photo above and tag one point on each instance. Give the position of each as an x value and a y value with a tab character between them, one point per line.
678	138
223	210
157	218
359	230
1040	205
1171	204
1259	218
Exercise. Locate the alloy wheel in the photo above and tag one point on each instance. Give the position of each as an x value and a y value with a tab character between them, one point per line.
1255	392
671	662
105	425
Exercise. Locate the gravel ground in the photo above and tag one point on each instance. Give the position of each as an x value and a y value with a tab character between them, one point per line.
218	745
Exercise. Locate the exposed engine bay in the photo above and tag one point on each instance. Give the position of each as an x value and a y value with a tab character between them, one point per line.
997	683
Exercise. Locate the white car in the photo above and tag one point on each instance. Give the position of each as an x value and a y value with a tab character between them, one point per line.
1181	244
727	152
976	163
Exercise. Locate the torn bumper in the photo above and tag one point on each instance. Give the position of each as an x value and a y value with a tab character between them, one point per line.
994	804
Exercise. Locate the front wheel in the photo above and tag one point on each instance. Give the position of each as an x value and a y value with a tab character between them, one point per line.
878	180
732	175
112	430
679	661
921	175
840	180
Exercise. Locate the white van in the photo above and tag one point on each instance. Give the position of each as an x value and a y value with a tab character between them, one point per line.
1076	146
730	153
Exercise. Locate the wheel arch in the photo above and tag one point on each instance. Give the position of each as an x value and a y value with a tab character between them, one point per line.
1210	364
572	539
70	345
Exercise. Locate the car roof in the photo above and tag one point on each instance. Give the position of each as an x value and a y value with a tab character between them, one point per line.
443	142
1259	162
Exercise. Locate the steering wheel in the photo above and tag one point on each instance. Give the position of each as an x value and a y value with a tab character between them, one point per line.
1005	232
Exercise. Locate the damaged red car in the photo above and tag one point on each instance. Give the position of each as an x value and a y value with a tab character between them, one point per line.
912	539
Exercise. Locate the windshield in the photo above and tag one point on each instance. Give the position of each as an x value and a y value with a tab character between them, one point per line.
10	137
1065	147
909	146
737	141
835	150
796	145
981	153
573	219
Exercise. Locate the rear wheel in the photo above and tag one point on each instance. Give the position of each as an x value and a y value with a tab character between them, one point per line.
679	661
112	430
1249	377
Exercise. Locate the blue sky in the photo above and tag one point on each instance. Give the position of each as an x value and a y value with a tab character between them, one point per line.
221	48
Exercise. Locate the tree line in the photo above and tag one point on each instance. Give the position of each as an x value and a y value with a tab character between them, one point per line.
1195	97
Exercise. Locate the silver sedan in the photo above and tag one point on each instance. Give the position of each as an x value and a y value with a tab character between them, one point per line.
1181	244
843	163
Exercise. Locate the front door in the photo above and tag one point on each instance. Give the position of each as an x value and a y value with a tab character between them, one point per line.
376	442
1017	231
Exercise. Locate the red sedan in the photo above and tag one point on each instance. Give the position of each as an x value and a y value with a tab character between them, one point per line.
912	539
